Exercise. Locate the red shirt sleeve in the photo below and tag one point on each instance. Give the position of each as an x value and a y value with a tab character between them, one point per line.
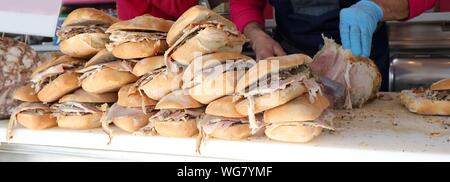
167	9
244	12
417	7
174	8
128	9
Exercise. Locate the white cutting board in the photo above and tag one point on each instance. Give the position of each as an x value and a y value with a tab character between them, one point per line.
381	131
29	17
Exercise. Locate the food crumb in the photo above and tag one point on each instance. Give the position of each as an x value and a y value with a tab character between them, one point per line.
435	134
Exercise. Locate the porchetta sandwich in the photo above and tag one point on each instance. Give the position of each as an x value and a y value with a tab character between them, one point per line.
140	37
177	116
56	78
130	113
433	101
31	113
212	76
200	31
349	81
104	73
82	110
298	120
155	80
273	82
82	33
222	121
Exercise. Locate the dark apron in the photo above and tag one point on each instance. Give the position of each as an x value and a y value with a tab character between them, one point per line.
301	23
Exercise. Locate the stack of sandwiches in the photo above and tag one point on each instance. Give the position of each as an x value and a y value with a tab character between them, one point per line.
53	97
197	32
75	90
179	79
281	85
32	113
205	48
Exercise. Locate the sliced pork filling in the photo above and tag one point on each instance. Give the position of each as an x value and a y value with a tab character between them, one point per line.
69	31
27	107
175	115
147	78
121	36
209	73
75	108
43	78
189	32
119	65
116	111
208	123
279	81
438	95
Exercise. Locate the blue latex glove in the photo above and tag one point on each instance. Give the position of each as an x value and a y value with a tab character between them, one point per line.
357	25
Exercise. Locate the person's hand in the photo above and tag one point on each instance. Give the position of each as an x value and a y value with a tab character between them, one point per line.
263	45
357	25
